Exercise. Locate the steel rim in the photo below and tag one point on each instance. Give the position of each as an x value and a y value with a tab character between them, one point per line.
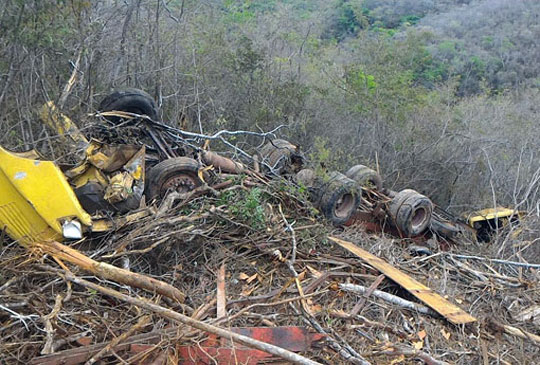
418	218
344	205
181	183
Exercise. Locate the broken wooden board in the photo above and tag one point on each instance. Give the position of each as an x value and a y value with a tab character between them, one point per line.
442	306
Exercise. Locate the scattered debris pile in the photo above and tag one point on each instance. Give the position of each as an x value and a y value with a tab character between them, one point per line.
240	268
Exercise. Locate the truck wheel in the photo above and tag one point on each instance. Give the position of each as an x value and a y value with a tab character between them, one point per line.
365	177
132	101
179	174
411	212
339	198
282	156
306	177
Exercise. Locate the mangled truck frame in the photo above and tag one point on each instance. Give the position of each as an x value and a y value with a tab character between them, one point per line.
43	201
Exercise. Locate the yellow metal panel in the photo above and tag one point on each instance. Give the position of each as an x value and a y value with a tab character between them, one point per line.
17	216
491	213
31	185
448	310
91	174
60	123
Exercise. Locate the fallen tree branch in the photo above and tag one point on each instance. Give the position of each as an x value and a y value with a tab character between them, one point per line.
18	316
436	302
65	340
497	261
518	332
219	320
48	348
358	306
83	353
289	227
108	271
175	196
170	314
221	297
69	85
143	321
344	352
219	134
421	355
359	289
10	282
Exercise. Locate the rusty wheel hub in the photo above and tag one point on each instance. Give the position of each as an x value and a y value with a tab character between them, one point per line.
181	183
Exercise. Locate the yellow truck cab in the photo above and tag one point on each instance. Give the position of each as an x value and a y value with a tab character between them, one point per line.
39	201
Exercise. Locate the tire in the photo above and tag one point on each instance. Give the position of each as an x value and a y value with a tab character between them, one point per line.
179	174
410	212
132	101
339	198
306	177
282	156
365	177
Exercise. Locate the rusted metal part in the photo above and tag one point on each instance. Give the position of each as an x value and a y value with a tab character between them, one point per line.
371	224
181	183
446	229
362	217
292	338
282	157
164	149
223	163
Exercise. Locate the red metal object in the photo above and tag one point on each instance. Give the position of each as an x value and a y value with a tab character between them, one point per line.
223	163
224	352
372	224
210	351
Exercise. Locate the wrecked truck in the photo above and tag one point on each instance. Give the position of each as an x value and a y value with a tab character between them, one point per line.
359	197
105	189
42	200
39	201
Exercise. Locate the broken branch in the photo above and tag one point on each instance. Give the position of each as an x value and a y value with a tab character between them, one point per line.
108	271
143	321
170	314
390	298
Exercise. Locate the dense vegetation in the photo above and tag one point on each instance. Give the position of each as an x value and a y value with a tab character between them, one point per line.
441	95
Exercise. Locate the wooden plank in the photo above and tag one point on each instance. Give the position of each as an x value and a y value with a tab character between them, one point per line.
433	300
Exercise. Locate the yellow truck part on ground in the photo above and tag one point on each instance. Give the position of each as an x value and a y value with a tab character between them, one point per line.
36	198
487	222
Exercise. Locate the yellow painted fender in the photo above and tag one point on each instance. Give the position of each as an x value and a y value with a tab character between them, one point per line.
35	198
